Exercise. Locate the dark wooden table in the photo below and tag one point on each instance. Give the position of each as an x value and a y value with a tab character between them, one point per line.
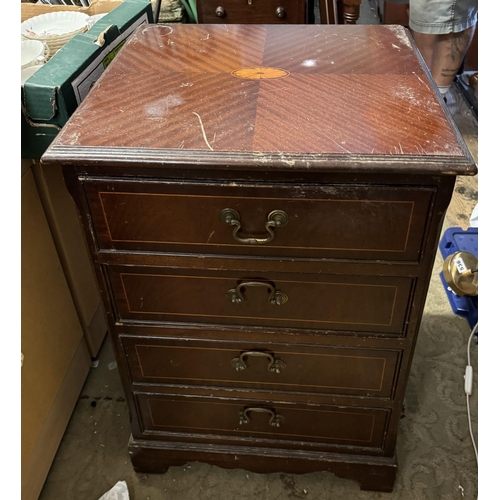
263	205
254	11
277	11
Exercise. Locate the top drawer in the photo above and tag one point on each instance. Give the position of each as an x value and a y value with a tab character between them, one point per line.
303	221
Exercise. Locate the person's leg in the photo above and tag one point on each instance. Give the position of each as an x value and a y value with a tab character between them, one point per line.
425	43
443	31
449	53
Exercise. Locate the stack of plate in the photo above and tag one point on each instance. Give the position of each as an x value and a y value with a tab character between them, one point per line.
34	54
95	18
28	72
55	28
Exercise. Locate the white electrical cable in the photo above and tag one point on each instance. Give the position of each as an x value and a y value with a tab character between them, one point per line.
468	389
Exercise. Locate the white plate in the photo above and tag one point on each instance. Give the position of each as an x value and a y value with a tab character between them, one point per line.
27	72
32	53
97	17
54	24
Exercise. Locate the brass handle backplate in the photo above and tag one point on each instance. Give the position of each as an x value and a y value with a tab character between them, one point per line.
274	365
276	297
274	421
277	218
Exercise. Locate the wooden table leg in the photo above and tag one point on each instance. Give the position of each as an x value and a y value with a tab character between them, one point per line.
351	11
347	11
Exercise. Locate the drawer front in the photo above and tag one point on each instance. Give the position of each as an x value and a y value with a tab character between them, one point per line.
358	372
252	11
352	303
280	422
342	221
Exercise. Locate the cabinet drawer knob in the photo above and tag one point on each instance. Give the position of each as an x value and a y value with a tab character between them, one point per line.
280	13
274	421
220	12
274	366
276	297
277	218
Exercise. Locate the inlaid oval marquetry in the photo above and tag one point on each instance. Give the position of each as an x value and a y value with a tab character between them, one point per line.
260	73
372	101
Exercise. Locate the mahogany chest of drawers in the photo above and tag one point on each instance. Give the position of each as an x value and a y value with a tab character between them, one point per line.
263	205
253	11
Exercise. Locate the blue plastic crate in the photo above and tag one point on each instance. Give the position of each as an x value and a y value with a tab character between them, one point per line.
455	239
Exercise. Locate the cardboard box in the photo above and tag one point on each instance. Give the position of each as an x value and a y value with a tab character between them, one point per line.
54	92
56	361
29	10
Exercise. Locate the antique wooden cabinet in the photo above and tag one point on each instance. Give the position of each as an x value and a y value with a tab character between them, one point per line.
277	11
263	206
253	11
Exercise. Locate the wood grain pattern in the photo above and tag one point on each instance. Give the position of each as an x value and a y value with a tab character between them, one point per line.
365	304
137	216
357	372
354	135
371	95
372	472
327	426
252	11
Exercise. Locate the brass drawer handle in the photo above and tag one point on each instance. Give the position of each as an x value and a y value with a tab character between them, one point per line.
275	419
276	297
277	218
275	365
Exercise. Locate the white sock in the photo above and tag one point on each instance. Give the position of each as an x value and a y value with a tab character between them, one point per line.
444	89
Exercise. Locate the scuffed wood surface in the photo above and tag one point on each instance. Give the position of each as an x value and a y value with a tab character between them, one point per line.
269	94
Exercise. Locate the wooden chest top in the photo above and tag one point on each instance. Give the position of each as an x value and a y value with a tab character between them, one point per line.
267	96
